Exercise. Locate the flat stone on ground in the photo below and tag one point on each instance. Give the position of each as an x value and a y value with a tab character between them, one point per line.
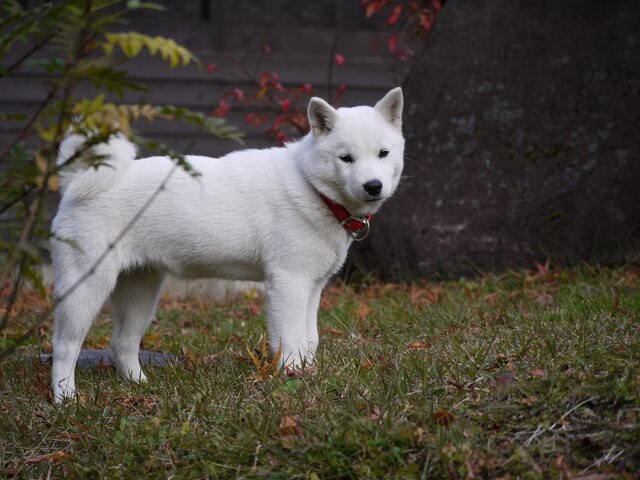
92	358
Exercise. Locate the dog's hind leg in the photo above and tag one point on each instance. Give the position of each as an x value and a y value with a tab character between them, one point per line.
79	301
133	302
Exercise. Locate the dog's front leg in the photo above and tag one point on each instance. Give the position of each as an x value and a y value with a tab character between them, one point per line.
312	318
287	298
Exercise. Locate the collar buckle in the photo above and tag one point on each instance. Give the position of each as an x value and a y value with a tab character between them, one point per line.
358	227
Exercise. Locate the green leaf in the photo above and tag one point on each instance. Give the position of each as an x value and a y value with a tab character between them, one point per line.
132	43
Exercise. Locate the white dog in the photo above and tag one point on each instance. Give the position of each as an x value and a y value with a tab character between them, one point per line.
285	216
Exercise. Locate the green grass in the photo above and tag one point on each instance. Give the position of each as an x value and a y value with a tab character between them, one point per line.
527	375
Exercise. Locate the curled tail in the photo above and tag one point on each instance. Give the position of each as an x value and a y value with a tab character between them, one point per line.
78	177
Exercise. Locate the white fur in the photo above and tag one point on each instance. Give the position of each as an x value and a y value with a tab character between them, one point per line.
250	215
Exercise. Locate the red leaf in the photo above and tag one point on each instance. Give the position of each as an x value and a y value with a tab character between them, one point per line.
537	372
238	94
263	80
249	118
392	43
266	49
425	23
281	137
373	7
339	59
211	67
395	14
285	105
306	88
222	110
341	88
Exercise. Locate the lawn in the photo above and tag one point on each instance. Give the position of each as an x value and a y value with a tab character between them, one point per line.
525	375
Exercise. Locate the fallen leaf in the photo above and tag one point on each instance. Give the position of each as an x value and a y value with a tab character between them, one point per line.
56	456
419	345
290	425
363	310
376	414
334	332
368	364
560	463
443	417
537	372
505	379
529	401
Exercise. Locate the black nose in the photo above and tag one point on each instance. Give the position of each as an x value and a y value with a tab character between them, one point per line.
373	187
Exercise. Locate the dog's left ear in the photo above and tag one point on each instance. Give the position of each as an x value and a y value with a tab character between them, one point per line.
390	107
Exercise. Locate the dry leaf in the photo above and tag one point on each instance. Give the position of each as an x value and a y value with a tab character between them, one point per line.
56	456
419	344
255	309
290	425
363	310
334	332
443	417
505	379
376	414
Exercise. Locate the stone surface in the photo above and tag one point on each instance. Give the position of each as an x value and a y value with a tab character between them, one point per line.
523	130
92	358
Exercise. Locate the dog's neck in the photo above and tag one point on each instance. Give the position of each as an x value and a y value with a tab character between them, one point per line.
358	226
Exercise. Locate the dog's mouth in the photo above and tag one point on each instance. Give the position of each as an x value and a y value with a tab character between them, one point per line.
374	199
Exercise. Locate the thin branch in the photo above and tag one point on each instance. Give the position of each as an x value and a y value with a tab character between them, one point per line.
332	54
30	52
91	271
27	128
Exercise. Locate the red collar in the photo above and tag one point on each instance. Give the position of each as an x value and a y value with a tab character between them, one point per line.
358	226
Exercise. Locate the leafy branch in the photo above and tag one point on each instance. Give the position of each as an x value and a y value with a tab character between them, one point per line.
77	45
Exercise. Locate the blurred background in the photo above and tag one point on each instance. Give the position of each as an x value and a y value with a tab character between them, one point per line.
521	118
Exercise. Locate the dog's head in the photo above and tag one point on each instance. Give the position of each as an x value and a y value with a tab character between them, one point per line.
357	154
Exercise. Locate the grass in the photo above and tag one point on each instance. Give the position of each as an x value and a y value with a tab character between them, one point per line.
526	375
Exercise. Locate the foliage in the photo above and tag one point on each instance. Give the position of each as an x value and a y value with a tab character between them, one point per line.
412	20
72	41
527	375
280	109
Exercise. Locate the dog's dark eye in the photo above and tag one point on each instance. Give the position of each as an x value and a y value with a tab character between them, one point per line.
383	153
346	158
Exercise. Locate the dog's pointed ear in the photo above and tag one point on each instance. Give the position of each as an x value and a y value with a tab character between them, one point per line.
322	117
390	107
